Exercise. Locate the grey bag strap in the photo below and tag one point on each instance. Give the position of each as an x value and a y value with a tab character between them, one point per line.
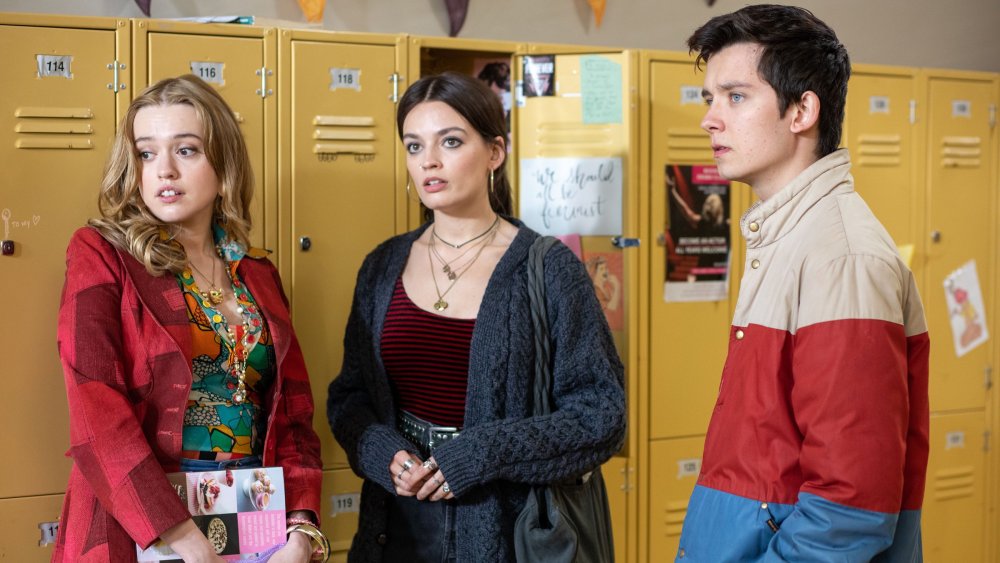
542	388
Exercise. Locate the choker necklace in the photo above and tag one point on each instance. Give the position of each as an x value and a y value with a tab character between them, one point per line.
214	295
441	304
477	237
446	265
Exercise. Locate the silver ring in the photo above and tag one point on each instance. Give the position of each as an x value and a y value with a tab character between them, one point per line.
407	464
446	489
430	465
436	480
400	476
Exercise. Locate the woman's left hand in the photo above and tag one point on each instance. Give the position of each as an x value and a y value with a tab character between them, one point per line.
435	487
297	550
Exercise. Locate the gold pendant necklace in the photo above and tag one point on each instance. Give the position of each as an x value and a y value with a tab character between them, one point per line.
441	304
214	295
446	265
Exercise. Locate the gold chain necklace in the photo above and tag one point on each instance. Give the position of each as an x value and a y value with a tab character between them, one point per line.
477	237
215	295
238	348
446	267
441	304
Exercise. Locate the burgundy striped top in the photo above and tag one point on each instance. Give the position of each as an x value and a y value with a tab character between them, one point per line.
427	359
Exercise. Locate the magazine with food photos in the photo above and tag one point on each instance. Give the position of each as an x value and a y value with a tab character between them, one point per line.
240	511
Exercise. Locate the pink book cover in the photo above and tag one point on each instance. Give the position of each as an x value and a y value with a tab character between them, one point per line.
240	511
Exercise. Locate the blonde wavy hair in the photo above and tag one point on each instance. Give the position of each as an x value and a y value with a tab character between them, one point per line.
128	223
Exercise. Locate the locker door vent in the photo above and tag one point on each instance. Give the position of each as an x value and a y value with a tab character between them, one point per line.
961	152
344	134
674	518
954	483
555	139
688	144
53	128
880	150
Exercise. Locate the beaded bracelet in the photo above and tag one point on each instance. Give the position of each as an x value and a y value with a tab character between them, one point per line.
294	521
316	538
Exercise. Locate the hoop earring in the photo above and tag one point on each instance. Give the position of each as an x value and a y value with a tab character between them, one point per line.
409	193
492	190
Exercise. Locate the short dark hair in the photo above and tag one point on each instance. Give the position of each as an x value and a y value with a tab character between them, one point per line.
479	105
800	53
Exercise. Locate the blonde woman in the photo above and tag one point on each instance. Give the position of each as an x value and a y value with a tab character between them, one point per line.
175	339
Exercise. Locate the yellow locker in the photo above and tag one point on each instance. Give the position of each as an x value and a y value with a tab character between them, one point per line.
883	133
673	470
617	480
57	116
961	206
688	341
28	527
340	505
340	197
954	499
563	128
239	61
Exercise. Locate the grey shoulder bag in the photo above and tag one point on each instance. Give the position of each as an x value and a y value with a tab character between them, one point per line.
560	522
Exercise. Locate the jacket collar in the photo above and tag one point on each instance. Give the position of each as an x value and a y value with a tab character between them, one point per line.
767	221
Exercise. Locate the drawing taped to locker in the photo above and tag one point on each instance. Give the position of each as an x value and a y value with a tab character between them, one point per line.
965	308
697	235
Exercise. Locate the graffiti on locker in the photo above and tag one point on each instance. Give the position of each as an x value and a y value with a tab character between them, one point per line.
697	236
601	90
965	308
572	195
605	269
24	223
539	73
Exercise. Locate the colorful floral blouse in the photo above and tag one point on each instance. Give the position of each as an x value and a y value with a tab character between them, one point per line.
216	426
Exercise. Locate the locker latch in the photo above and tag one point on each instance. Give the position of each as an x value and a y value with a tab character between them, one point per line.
264	91
116	82
625	242
394	78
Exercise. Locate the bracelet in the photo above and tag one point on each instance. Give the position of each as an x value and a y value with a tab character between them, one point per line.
294	521
316	538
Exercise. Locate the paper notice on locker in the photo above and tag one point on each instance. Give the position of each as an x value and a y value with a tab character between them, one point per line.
965	308
572	195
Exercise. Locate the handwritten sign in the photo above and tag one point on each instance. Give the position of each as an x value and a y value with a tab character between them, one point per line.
601	88
572	195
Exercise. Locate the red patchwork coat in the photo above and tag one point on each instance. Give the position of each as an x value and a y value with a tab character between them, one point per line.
125	347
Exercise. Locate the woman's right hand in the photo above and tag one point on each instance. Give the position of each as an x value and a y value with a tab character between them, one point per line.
190	543
407	476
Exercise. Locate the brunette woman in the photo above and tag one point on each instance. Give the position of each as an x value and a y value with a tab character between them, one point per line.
432	403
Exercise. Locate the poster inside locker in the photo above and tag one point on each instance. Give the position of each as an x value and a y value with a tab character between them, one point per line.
697	237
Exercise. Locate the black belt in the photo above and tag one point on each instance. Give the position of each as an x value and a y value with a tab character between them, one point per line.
423	434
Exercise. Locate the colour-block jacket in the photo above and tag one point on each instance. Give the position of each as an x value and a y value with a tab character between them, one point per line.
502	449
817	448
125	342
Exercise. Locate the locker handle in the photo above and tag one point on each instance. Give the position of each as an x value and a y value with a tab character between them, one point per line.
935	236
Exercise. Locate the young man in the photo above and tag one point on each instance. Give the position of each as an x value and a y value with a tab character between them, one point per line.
817	447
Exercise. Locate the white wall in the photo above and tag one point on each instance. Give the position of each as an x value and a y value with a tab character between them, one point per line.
960	34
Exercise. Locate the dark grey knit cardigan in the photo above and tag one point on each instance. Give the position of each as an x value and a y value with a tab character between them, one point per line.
502	450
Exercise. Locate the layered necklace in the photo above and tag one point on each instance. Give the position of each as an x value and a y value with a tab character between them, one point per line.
238	342
448	267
